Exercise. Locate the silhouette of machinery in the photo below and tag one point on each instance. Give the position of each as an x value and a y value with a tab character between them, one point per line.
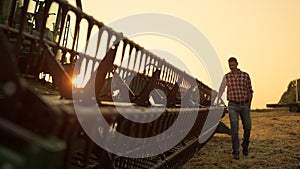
41	67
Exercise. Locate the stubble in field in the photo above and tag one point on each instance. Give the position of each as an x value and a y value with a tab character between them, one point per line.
275	143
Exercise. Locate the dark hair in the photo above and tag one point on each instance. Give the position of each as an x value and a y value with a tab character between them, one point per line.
232	59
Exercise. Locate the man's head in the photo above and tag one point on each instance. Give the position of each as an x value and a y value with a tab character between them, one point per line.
232	63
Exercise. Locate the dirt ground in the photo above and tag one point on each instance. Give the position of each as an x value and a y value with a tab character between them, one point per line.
275	143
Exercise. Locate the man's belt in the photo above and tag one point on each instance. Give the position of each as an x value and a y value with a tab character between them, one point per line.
239	102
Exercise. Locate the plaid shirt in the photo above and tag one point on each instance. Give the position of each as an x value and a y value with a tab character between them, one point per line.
238	86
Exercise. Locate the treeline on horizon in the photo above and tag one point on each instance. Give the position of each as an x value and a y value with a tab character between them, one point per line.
289	96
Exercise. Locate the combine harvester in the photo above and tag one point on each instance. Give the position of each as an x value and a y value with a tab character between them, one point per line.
57	100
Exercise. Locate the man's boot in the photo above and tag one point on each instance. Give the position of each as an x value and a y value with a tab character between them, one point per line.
245	145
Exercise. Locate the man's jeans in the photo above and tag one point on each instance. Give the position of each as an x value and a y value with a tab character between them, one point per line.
234	111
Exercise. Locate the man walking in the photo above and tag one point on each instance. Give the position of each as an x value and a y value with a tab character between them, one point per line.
239	95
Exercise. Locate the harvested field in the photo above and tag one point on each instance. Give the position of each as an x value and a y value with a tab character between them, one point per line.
275	143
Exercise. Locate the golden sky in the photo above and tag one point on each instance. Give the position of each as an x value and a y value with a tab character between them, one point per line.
264	35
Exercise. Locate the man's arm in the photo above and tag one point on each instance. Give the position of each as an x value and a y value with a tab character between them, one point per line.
250	97
250	90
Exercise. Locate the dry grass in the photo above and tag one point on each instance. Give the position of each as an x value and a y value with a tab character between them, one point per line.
275	143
